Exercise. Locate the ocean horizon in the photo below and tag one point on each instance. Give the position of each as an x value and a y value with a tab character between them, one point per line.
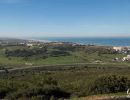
111	41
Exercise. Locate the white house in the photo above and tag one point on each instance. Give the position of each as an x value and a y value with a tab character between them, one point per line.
29	44
118	48
29	64
127	58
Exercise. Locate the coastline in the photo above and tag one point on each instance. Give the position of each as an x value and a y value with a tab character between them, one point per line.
110	41
118	42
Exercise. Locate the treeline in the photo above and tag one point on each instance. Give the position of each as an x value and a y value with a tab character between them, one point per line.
24	52
41	52
57	50
65	47
100	50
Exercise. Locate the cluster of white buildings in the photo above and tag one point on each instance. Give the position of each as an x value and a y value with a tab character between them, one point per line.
127	58
124	50
118	48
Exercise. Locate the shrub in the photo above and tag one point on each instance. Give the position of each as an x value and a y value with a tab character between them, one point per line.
43	90
110	84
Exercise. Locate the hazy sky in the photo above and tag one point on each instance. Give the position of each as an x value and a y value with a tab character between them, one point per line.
35	18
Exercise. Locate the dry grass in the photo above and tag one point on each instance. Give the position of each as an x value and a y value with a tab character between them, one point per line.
99	97
95	97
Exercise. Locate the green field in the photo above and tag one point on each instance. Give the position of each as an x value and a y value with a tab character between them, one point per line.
77	56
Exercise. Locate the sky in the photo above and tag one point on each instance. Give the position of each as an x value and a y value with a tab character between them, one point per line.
64	18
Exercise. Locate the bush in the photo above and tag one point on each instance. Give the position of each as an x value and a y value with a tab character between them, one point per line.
110	84
100	50
43	90
25	52
57	53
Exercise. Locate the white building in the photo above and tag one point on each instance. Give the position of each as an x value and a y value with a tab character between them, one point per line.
29	44
118	48
127	58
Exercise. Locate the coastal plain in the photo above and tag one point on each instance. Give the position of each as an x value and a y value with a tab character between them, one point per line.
62	70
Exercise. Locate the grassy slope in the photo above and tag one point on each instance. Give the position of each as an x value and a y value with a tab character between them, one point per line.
76	57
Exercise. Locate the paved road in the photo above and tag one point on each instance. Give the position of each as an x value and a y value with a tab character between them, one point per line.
54	67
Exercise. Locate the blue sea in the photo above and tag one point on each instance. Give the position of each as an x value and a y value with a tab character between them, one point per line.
94	41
